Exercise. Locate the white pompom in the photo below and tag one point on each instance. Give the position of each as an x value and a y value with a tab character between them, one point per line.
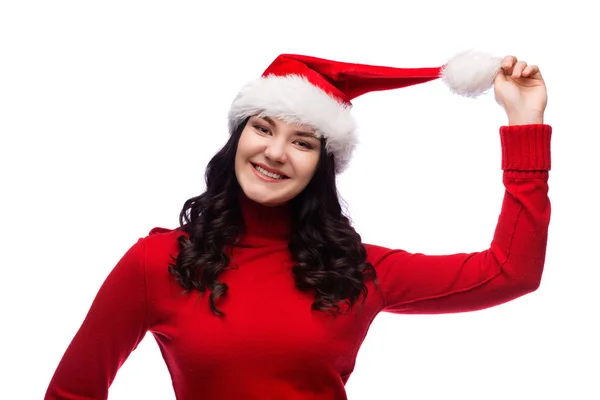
470	73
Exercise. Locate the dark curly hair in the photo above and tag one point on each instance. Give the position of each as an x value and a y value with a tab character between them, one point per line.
330	259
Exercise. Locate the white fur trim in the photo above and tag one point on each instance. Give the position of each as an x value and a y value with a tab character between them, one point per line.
294	99
470	73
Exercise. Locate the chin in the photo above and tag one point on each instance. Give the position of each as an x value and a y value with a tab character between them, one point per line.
266	199
263	195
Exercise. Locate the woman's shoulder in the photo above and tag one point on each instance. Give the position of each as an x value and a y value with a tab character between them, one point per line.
375	252
165	233
161	244
382	256
159	236
160	250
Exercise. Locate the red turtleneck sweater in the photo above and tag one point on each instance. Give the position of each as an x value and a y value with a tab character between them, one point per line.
271	345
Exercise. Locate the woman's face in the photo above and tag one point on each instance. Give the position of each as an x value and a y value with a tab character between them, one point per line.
275	160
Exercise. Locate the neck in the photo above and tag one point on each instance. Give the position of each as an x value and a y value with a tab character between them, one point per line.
264	223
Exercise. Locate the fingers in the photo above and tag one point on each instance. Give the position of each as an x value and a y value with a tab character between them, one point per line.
512	66
508	64
532	71
516	69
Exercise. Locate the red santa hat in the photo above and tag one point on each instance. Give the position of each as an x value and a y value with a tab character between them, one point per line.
318	92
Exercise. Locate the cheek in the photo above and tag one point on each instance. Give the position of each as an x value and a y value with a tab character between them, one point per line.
307	165
241	156
246	148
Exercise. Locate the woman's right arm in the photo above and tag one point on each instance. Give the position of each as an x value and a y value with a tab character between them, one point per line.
114	326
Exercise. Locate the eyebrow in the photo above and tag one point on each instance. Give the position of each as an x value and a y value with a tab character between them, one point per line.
299	133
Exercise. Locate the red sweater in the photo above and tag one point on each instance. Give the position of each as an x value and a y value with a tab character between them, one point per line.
271	345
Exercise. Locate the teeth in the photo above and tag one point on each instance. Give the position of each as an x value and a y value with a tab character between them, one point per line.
267	173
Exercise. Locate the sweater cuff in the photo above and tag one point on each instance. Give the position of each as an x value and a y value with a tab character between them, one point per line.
526	147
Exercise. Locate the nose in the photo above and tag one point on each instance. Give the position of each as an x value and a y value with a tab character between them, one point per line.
276	151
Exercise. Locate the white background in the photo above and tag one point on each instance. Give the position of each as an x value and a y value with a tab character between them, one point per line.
109	112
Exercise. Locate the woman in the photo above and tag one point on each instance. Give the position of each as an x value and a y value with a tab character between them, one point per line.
265	291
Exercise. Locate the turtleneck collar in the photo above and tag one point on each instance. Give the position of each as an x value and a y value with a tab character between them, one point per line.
264	224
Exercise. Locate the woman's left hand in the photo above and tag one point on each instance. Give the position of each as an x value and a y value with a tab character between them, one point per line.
520	89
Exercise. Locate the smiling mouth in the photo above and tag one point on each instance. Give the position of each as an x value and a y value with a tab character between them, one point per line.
268	174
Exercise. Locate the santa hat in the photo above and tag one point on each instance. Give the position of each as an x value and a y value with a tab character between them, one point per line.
318	92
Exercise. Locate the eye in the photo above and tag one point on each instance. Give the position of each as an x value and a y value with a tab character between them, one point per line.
306	145
262	129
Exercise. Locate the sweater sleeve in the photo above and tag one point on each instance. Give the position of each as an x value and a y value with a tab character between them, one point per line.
511	267
113	327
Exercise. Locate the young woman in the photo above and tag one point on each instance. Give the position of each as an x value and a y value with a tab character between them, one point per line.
265	291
